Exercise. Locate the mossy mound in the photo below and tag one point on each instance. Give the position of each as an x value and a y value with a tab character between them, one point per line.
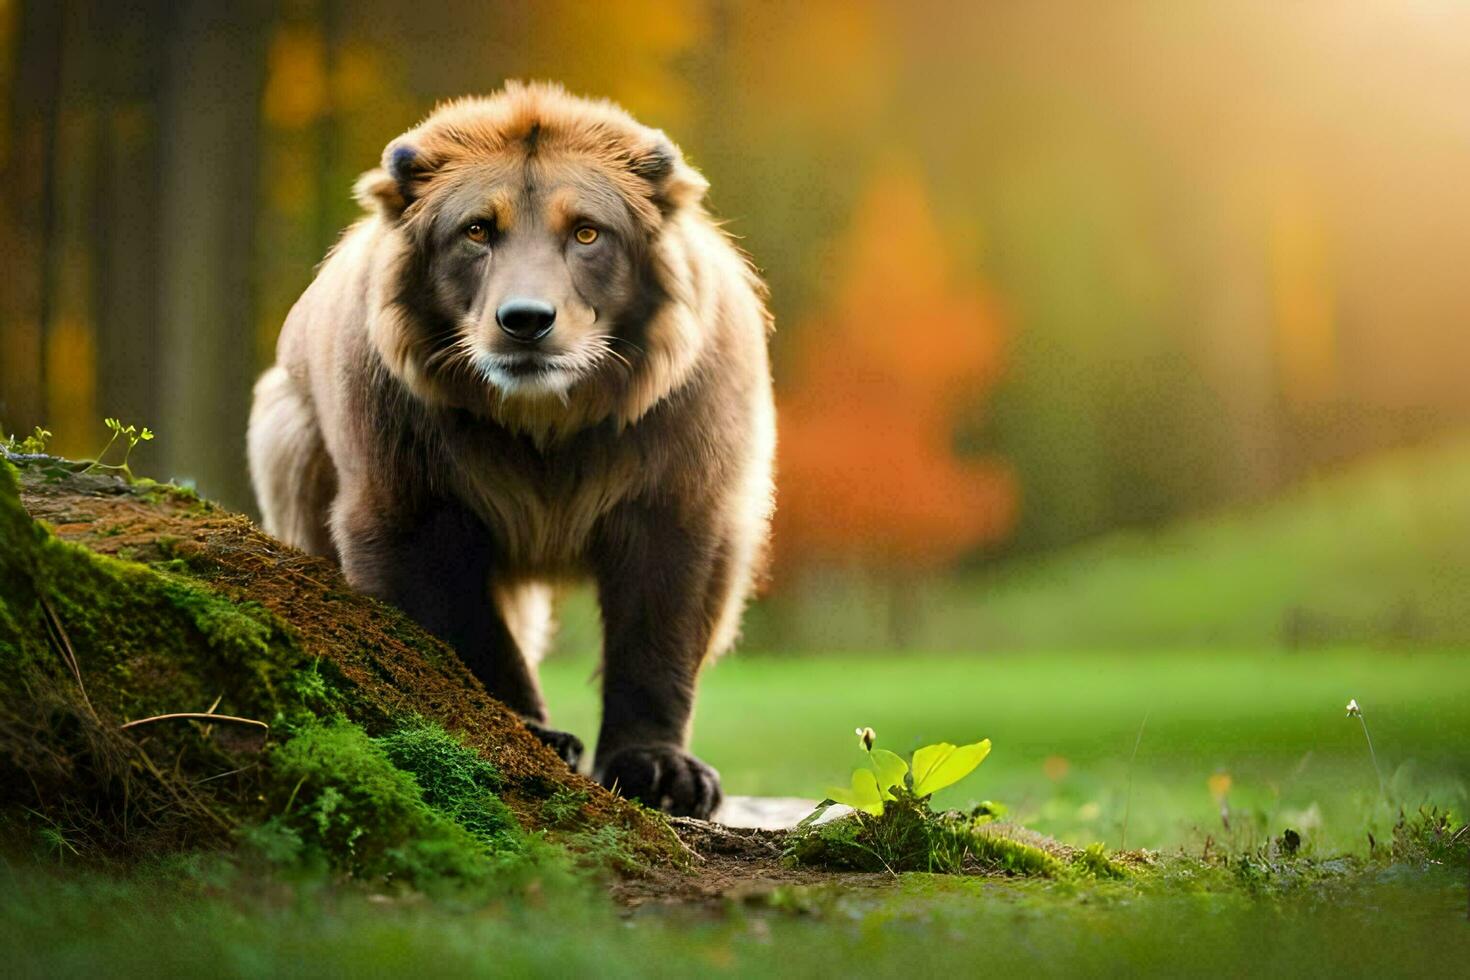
174	678
909	836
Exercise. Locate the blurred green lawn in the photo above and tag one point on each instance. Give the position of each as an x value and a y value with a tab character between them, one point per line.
1392	923
1240	638
1274	723
1374	554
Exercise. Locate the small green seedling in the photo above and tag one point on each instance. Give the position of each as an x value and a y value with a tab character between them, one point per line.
131	435
32	445
933	768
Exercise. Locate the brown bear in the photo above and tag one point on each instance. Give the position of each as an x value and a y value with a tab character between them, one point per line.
537	359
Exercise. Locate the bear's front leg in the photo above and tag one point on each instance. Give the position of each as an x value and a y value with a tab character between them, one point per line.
656	573
434	560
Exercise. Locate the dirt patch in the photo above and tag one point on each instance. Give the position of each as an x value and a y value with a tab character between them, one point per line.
731	864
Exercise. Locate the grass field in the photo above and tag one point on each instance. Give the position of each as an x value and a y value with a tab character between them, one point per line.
1273	723
1390	924
1234	641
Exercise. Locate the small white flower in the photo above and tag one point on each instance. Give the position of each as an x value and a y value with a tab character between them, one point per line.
865	738
1353	711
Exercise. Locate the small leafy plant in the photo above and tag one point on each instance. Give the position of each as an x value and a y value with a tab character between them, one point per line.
32	445
895	829
933	768
131	435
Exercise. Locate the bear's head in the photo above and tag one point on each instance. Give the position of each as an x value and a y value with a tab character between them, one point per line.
528	228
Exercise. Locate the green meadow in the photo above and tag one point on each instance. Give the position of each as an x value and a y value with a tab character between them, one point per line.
1064	728
1382	923
1182	691
1224	649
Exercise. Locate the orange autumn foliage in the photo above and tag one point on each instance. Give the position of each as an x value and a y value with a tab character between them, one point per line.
868	470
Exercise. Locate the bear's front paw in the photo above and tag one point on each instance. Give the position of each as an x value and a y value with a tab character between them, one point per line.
663	777
564	744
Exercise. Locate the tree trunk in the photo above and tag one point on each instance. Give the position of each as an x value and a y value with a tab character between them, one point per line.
210	133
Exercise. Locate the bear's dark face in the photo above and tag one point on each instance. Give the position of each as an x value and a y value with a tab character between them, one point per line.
538	270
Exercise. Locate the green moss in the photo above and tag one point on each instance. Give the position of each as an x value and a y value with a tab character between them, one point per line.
415	806
1430	836
1093	862
144	641
155	492
347	806
564	808
455	782
346	777
607	847
317	689
996	853
90	642
908	836
838	844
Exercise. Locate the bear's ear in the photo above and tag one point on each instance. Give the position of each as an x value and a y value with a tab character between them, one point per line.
675	184
377	192
391	188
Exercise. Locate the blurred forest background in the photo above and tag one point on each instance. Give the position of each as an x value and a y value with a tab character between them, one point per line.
1044	275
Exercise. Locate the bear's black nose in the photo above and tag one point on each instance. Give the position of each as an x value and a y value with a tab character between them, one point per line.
527	320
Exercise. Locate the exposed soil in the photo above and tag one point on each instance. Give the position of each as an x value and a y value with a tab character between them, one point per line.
731	864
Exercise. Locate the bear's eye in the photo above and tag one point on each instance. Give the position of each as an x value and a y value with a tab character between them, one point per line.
586	235
477	232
